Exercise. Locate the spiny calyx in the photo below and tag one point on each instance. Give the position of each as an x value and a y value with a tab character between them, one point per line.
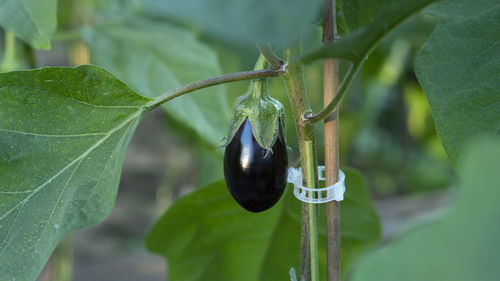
266	115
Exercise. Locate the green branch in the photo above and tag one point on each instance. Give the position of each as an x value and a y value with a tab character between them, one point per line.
299	101
66	35
9	58
312	174
336	100
239	76
356	46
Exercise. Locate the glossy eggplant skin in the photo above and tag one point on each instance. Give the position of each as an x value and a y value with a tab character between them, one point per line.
256	180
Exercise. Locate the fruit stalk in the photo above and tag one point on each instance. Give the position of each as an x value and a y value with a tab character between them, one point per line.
259	90
297	94
331	129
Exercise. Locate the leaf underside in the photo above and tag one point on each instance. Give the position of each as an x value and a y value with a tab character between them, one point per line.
155	58
357	45
459	70
244	21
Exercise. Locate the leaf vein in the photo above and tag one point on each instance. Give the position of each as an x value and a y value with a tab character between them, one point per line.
87	152
33	90
52	136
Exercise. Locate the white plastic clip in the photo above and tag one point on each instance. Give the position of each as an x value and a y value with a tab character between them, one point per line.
333	192
293	274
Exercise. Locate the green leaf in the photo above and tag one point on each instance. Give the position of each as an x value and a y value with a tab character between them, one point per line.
154	58
459	71
63	136
358	13
359	226
357	45
342	25
461	246
34	21
242	21
208	236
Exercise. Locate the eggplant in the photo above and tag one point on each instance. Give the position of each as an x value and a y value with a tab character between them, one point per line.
255	176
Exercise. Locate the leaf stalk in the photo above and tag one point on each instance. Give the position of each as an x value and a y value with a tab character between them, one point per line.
238	76
310	116
357	45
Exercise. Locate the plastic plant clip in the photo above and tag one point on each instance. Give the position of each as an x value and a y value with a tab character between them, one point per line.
293	274
333	192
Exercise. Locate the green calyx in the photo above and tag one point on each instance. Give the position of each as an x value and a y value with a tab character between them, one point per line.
265	114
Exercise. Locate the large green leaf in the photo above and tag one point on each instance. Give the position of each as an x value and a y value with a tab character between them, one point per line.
463	245
63	136
459	69
32	20
242	21
357	45
154	58
207	236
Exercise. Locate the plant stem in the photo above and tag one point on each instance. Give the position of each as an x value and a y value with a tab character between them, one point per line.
67	35
331	129
297	94
62	260
310	164
270	56
371	36
9	58
246	75
335	101
29	55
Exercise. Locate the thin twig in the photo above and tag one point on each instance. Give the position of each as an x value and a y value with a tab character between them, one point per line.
239	76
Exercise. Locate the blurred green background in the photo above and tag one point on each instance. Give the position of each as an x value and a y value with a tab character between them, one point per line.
386	131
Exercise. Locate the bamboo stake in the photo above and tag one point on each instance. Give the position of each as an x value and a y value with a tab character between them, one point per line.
331	129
